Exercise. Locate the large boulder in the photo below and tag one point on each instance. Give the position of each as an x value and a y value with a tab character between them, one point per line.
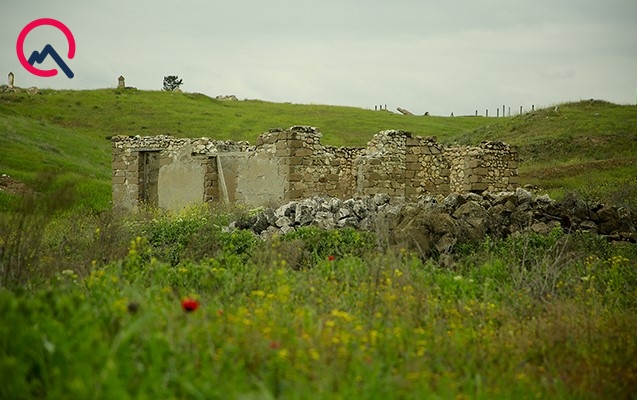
427	231
608	221
497	220
474	214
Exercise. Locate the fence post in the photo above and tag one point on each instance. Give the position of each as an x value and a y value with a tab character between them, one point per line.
487	112
532	107
520	110
497	112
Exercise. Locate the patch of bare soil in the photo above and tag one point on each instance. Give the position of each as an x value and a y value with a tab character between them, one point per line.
13	186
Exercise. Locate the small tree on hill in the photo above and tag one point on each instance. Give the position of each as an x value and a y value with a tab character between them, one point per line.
172	83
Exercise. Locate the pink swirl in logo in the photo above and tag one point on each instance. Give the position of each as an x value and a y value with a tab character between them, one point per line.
20	47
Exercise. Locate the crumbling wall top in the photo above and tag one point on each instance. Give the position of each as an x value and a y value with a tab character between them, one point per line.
297	132
200	146
496	145
395	141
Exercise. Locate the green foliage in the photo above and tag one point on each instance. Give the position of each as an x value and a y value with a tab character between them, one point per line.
526	248
22	232
172	83
193	233
169	236
524	317
320	244
240	242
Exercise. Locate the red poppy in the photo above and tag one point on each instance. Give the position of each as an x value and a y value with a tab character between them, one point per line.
189	305
275	345
331	258
220	313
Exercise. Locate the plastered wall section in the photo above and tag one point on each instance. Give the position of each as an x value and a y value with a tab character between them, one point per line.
181	179
252	178
186	170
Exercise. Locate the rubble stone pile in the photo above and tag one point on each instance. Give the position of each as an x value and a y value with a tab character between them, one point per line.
442	222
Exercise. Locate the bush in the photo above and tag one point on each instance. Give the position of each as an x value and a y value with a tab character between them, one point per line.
321	244
172	83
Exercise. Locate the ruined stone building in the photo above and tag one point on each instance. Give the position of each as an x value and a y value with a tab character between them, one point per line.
290	164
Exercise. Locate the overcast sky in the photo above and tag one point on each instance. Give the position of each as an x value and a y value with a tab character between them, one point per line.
438	56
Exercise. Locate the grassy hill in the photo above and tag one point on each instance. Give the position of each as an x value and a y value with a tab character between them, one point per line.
586	146
154	305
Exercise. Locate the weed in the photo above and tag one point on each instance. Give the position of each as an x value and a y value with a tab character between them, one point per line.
316	314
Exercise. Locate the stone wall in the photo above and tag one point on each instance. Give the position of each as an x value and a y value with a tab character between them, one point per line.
490	166
293	164
436	224
313	168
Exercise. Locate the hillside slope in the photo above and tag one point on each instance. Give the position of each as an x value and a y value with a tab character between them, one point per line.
590	146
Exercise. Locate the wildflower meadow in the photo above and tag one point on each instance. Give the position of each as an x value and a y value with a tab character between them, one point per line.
173	307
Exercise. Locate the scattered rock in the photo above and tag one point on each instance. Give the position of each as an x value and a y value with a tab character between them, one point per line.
446	243
283	222
588	226
432	225
304	212
608	220
230	97
541	228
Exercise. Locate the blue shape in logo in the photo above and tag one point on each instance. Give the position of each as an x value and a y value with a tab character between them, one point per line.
48	50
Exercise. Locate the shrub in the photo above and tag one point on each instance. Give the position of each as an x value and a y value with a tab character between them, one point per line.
172	83
320	244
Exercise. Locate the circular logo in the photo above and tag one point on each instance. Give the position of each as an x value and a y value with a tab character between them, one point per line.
48	49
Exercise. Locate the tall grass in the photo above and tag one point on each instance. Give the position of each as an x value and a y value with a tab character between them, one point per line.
524	317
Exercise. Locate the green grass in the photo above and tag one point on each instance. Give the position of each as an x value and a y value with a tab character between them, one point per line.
90	302
65	132
527	317
111	112
589	146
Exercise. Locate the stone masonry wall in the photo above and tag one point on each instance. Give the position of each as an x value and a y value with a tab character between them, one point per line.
313	168
395	163
427	168
490	166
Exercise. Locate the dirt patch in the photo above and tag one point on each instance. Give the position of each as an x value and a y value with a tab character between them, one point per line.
13	186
